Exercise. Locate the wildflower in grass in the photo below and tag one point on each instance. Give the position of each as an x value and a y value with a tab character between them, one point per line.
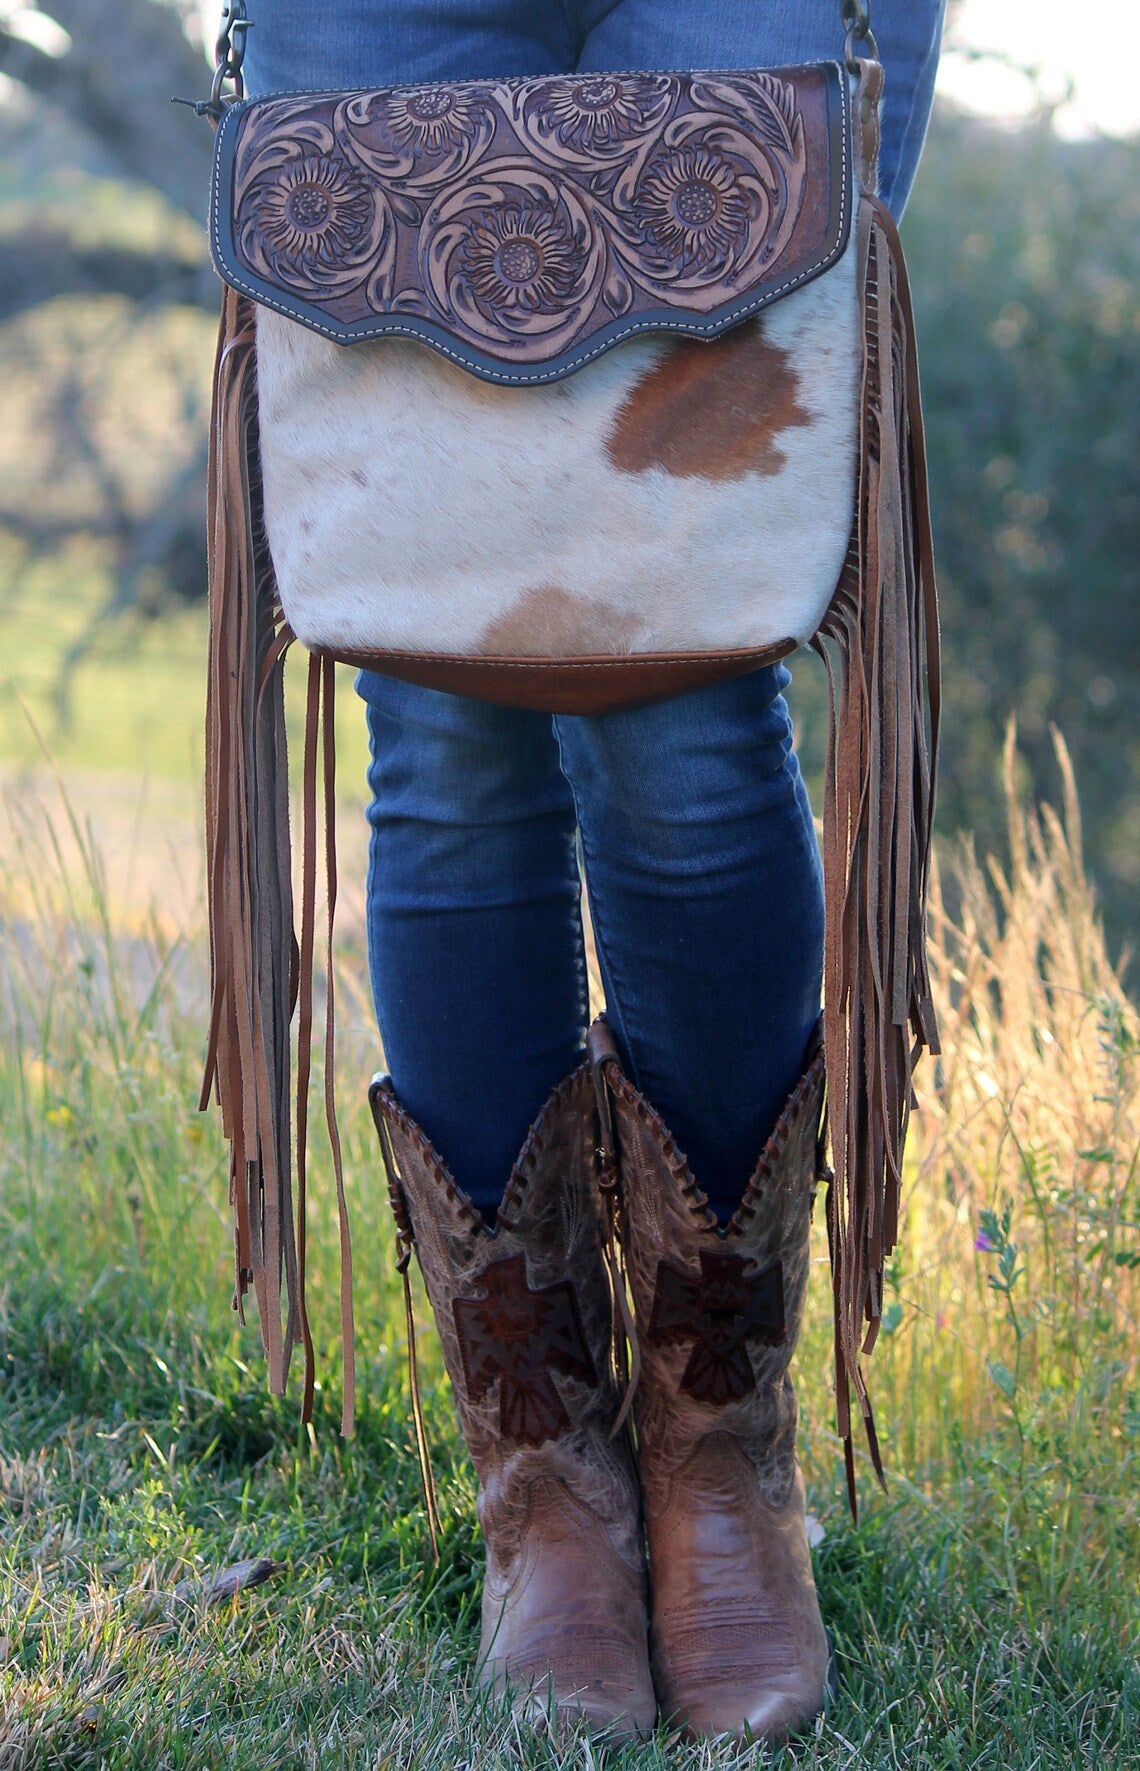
984	1243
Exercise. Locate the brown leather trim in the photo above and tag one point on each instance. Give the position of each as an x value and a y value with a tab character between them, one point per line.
567	685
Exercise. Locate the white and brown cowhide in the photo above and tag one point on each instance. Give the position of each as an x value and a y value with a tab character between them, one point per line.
673	495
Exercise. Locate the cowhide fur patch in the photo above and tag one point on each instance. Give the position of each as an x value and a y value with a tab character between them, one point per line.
671	496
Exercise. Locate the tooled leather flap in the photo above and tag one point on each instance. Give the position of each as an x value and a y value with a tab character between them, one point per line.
522	227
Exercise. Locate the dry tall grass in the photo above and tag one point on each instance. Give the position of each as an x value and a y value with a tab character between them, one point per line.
1016	1283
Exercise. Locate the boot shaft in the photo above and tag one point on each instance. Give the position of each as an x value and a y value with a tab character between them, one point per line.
524	1310
718	1308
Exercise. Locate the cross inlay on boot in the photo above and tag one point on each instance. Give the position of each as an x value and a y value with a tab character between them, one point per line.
519	1337
720	1312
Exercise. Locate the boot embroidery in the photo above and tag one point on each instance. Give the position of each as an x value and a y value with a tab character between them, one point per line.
720	1312
520	1336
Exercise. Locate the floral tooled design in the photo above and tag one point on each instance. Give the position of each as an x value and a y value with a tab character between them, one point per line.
720	194
522	216
312	223
521	257
416	137
754	120
432	121
692	208
513	257
597	116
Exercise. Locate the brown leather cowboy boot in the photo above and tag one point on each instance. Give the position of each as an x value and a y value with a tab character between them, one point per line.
736	1631
525	1316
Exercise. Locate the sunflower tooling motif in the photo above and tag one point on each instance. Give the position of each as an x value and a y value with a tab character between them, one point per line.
511	257
601	111
412	140
589	123
521	259
431	119
310	221
691	208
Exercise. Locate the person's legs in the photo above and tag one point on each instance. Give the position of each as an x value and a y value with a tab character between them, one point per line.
296	47
706	894
705	882
474	922
711	956
714	945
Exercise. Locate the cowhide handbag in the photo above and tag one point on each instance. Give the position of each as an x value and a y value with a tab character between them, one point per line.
570	392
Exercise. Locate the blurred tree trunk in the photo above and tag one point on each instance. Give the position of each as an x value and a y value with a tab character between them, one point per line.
106	173
113	82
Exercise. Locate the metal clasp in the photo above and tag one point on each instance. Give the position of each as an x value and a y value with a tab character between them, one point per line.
229	53
857	18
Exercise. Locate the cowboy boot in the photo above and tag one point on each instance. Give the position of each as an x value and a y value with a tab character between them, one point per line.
524	1312
737	1638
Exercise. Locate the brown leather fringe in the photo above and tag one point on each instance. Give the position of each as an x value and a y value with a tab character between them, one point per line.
256	970
879	641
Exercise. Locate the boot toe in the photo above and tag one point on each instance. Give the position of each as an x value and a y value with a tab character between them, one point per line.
556	1701
729	1695
784	1708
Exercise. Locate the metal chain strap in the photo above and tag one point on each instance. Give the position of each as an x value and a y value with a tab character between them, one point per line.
856	15
229	53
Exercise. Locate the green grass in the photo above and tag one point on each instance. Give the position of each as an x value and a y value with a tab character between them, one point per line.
135	702
984	1614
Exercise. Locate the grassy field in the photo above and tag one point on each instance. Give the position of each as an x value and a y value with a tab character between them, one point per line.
124	733
984	1613
135	704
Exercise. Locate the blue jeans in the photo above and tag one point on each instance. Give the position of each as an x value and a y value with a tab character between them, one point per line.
696	835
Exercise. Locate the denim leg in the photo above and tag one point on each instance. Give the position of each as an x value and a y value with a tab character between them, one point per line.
296	47
474	922
473	903
705	888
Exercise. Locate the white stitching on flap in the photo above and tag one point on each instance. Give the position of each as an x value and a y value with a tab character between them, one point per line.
692	328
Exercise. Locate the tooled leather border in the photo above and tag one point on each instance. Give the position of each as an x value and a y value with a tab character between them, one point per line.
566	685
483	364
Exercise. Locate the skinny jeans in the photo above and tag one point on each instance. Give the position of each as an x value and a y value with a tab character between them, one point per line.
688	818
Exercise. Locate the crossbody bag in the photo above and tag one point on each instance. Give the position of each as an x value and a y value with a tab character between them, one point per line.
569	392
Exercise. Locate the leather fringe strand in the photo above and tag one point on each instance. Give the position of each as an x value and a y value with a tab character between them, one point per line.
258	974
879	641
405	1243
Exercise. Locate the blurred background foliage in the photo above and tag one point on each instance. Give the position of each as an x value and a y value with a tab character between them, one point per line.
1025	252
